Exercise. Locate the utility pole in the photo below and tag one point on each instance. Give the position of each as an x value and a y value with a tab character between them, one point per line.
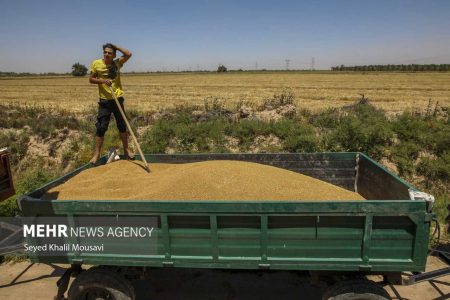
287	64
256	66
313	63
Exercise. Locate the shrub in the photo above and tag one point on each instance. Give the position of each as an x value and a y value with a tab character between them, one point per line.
208	136
285	97
17	142
43	121
352	133
157	138
404	155
413	127
442	201
435	170
328	119
213	104
247	130
296	136
357	127
436	135
78	152
31	180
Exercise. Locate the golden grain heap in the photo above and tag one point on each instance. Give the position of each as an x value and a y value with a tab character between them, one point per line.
208	180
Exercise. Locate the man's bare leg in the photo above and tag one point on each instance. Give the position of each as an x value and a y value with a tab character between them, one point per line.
98	149
126	150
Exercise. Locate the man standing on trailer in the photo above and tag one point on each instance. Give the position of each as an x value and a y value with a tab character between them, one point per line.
105	73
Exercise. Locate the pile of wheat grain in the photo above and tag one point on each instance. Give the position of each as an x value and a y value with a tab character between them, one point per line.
208	180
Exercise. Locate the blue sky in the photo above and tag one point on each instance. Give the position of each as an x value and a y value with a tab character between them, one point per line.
49	36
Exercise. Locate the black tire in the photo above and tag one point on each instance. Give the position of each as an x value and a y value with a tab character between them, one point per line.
101	283
356	289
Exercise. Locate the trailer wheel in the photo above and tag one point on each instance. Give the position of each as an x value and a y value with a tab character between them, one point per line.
101	283
356	289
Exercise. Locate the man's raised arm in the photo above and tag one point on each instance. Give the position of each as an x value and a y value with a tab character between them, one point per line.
125	54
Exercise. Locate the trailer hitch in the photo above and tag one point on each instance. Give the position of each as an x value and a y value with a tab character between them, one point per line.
425	276
444	256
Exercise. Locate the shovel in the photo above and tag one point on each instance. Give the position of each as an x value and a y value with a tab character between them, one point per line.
129	129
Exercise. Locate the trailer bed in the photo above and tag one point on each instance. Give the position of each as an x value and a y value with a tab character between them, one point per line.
388	232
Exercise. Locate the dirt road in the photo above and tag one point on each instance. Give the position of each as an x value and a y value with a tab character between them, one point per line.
38	281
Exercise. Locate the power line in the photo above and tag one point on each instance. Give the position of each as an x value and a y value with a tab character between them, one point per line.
287	63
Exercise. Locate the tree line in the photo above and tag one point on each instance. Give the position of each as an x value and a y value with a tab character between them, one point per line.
25	74
410	68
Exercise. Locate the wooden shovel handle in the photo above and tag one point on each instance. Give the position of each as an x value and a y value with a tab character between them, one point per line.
129	129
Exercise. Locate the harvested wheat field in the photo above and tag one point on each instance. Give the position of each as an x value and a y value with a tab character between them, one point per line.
209	180
391	91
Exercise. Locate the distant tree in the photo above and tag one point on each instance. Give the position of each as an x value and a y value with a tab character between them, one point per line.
221	69
389	67
79	70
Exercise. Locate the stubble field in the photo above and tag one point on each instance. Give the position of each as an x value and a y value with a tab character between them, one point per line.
392	92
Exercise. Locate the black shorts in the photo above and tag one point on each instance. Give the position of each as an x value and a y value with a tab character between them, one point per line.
105	108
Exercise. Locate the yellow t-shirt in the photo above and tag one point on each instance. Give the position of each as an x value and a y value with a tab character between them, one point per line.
105	71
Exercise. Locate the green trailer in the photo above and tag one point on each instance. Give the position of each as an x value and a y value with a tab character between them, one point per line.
386	234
